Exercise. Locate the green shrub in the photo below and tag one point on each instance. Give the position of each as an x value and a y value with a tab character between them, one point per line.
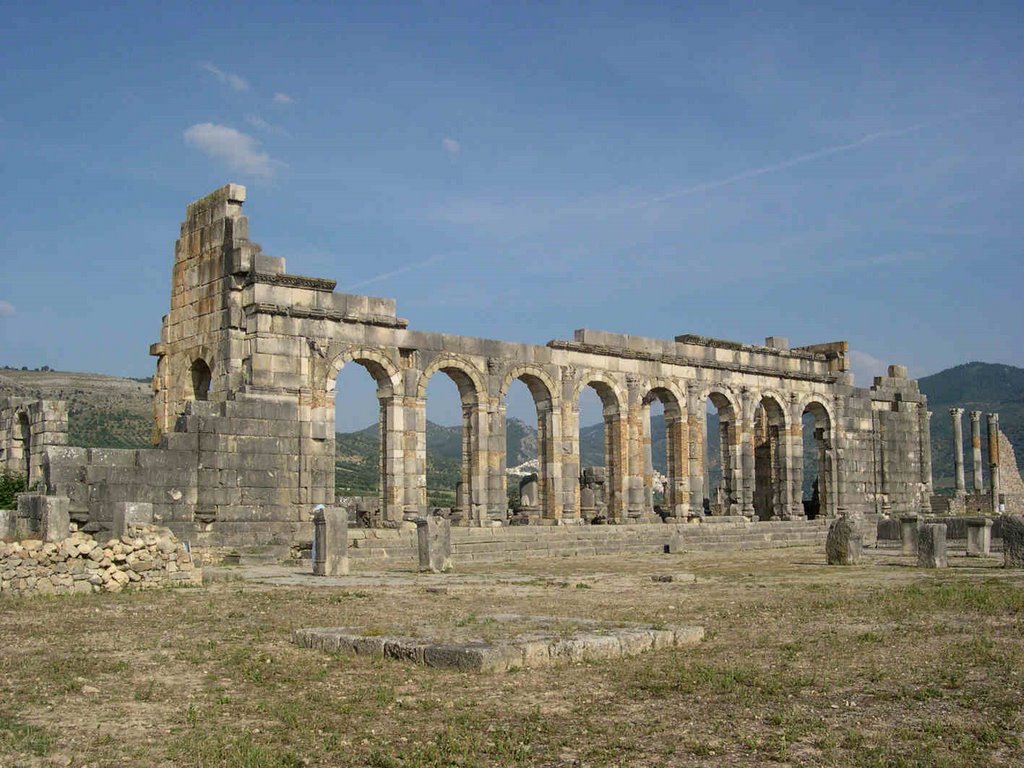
11	484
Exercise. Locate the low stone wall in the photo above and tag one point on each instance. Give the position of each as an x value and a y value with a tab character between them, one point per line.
144	558
398	548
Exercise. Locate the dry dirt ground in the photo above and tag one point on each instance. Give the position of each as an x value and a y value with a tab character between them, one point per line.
881	664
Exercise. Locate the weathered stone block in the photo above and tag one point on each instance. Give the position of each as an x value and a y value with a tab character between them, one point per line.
979	536
844	542
434	542
1013	541
330	541
931	546
8	524
908	534
130	514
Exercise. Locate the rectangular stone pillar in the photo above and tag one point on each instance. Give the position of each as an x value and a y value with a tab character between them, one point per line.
931	546
434	542
958	450
976	451
696	417
1013	541
979	536
129	514
8	524
993	460
43	517
330	541
908	534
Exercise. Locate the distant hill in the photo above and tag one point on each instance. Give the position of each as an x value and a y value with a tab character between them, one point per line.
103	411
986	387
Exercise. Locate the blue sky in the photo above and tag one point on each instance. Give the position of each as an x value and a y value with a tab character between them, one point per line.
518	171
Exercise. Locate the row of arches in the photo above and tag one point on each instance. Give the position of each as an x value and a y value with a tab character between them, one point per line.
720	451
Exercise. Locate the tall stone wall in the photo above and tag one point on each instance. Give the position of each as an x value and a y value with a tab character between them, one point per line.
244	410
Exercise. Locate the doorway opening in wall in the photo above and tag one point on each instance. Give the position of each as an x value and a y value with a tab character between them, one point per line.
201	379
769	429
451	452
721	496
357	440
526	444
817	461
601	449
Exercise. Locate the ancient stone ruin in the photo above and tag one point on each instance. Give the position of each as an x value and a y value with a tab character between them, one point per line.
244	417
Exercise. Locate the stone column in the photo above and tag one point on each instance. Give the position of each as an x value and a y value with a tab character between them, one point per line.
696	418
958	450
976	451
924	419
677	494
993	459
746	437
796	457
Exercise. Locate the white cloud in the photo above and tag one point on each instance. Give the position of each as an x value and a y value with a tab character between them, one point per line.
6	309
230	79
238	150
865	367
451	146
282	98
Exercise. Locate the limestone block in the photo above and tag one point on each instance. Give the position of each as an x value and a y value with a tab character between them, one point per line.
908	534
1013	541
979	537
434	543
130	514
844	542
931	546
330	541
8	524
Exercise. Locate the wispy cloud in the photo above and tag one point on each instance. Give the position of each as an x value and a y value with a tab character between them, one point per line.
238	150
260	124
283	98
7	309
400	271
451	146
230	79
808	157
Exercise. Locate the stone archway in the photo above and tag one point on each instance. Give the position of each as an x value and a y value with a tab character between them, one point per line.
542	389
615	442
676	493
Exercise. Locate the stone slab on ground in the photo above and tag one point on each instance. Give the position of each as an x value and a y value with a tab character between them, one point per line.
526	651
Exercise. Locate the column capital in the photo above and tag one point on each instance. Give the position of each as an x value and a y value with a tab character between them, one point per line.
975	415
956	412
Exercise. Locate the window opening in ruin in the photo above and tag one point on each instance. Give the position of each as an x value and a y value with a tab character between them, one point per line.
721	457
201	378
817	463
769	459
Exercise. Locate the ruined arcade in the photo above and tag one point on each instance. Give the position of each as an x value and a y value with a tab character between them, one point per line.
244	417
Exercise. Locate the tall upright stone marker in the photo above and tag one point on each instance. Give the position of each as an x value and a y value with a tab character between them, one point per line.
434	539
330	541
931	546
1013	541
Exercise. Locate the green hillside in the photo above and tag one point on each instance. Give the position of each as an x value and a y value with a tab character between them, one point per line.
985	387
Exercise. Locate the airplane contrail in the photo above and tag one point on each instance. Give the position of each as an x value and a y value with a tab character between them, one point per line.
399	271
805	158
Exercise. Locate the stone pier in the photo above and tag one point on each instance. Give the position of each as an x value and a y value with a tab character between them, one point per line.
976	451
958	450
993	459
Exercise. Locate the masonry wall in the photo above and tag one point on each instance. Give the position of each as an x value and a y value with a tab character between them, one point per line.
27	428
244	456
